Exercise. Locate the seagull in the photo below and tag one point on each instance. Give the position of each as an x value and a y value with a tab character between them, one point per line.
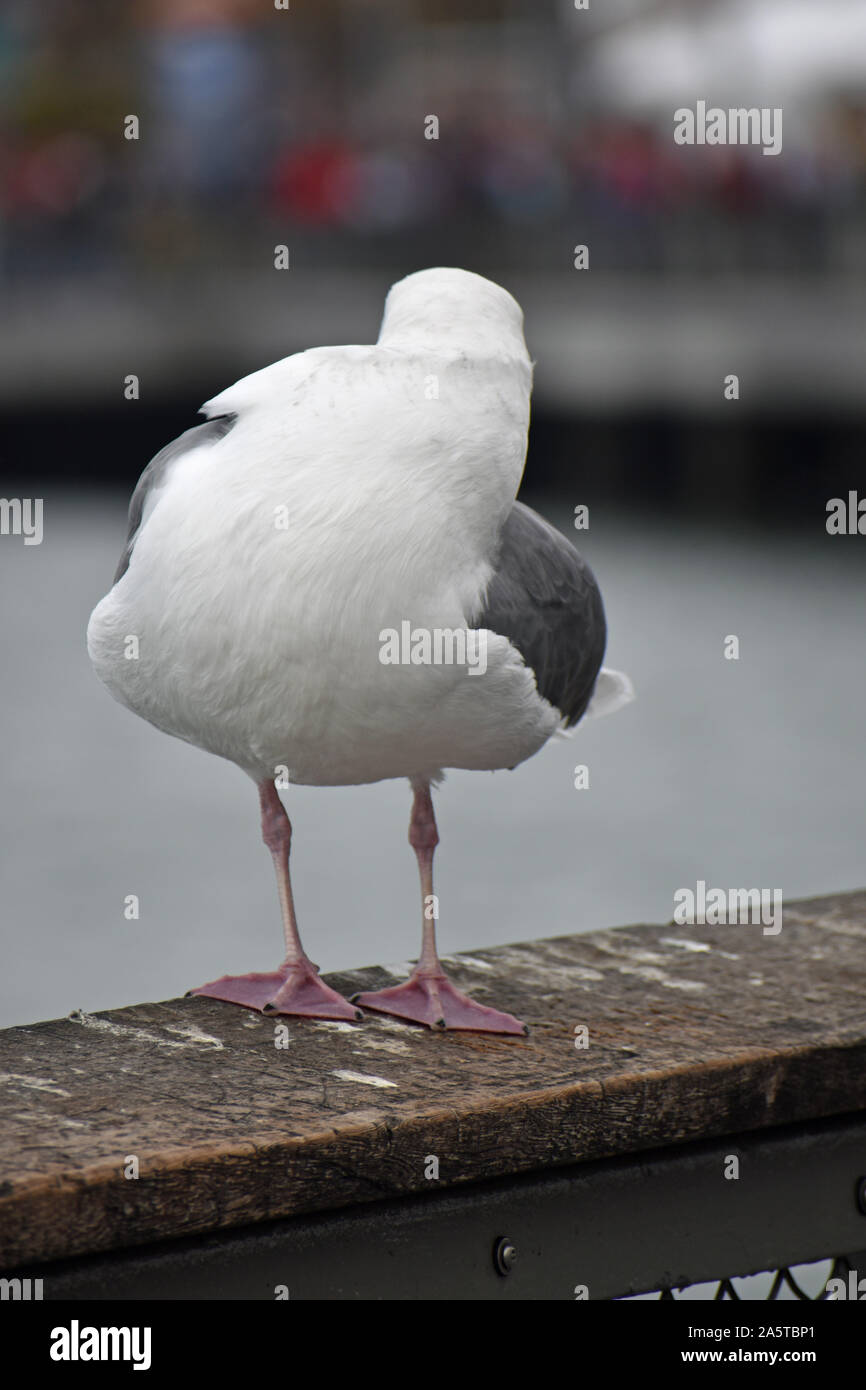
329	582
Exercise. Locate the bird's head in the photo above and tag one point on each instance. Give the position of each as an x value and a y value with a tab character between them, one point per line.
453	311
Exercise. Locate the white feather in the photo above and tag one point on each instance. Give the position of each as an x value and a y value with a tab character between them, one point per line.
613	689
396	465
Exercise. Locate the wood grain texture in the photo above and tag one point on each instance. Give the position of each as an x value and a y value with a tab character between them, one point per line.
694	1032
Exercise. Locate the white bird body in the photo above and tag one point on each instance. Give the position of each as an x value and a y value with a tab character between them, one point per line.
333	498
359	487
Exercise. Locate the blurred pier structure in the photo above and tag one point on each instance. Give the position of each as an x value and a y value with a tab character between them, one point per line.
308	128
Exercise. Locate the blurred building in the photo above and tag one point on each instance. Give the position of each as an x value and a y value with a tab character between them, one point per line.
310	127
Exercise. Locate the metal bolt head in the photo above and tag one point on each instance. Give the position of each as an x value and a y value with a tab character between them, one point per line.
504	1255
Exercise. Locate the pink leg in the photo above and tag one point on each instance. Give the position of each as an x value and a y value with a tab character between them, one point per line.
296	988
428	996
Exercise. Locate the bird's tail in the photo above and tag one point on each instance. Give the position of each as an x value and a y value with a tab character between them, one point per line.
613	689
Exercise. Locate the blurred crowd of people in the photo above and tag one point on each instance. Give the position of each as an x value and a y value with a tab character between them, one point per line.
250	117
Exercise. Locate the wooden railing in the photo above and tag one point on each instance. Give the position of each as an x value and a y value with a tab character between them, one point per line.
193	1148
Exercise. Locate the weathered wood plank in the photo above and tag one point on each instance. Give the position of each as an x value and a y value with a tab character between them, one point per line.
694	1032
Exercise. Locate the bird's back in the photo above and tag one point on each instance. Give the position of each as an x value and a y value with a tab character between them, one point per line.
357	488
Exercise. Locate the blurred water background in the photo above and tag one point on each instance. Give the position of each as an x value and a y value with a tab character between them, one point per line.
155	257
745	773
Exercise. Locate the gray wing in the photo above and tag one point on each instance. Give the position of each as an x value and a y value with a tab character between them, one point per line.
155	473
543	597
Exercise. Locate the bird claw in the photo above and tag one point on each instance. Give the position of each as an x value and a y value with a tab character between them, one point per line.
295	990
431	999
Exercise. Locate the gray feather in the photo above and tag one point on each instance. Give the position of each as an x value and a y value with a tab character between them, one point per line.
156	471
544	598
